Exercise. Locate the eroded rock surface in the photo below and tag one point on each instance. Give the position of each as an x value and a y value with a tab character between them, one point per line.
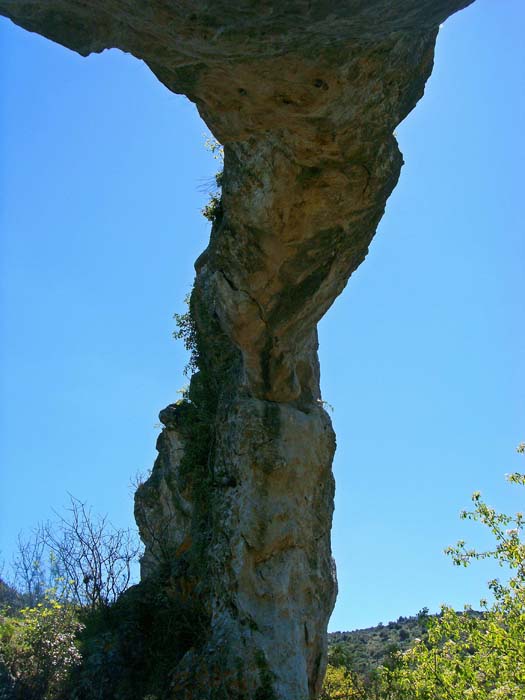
305	97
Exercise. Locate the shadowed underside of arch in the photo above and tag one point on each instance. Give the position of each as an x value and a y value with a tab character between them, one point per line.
305	96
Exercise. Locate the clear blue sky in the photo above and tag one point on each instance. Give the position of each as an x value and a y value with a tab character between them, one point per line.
102	179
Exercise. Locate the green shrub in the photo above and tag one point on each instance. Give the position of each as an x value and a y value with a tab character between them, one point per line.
39	649
474	655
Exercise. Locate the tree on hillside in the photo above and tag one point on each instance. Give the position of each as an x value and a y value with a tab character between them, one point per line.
462	656
472	655
59	613
80	555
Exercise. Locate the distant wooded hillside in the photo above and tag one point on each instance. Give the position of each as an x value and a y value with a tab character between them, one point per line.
366	649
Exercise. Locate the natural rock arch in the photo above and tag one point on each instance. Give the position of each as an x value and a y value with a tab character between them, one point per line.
305	98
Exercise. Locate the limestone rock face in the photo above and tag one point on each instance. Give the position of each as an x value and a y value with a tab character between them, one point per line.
305	97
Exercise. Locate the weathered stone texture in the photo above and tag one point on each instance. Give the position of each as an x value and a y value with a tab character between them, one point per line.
305	97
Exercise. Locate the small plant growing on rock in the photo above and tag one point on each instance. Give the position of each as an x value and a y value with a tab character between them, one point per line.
213	208
187	332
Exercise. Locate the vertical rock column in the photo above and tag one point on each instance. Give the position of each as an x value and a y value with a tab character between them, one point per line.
296	217
246	458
